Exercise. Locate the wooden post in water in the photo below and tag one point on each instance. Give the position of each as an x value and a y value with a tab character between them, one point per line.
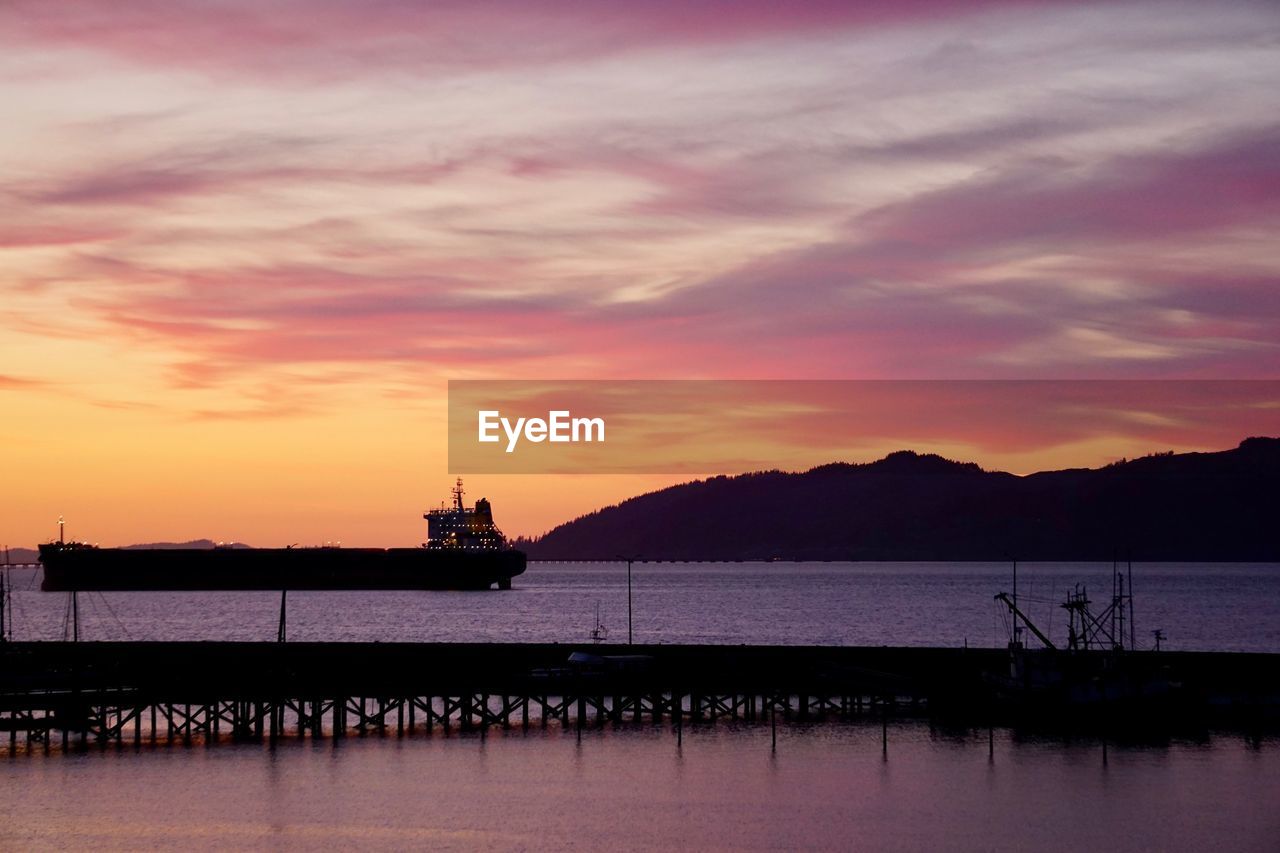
884	728
1105	720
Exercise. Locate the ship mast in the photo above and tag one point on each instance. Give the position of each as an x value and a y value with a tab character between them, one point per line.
457	495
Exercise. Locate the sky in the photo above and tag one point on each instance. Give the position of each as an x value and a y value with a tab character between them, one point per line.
244	246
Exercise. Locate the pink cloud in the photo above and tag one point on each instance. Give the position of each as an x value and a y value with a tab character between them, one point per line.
26	235
324	41
905	287
905	290
1057	204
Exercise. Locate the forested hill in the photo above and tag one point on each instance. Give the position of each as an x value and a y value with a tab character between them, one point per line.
907	506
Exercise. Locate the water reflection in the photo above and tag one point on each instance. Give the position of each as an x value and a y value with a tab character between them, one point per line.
628	786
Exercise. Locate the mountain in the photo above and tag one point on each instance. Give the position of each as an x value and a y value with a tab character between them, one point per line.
196	544
1220	506
30	555
18	556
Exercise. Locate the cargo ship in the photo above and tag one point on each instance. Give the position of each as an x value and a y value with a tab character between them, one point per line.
464	550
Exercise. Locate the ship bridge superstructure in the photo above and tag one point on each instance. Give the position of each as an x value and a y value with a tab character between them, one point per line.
463	528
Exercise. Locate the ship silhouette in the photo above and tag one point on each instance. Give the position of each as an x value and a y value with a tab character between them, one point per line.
464	550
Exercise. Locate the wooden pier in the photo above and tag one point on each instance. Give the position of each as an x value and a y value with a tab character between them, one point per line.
64	694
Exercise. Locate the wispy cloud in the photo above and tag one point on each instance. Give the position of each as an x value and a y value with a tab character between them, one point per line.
17	383
298	40
820	189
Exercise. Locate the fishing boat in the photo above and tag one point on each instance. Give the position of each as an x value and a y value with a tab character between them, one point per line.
1100	667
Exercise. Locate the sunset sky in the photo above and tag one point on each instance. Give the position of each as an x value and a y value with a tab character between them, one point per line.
244	246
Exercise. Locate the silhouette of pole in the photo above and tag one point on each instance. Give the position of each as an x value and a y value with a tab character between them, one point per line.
1133	641
284	593
628	561
1015	602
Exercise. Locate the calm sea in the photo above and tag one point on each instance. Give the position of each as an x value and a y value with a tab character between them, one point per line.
623	787
1229	607
631	787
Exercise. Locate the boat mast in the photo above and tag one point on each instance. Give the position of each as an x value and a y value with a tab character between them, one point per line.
1120	606
1017	632
1133	643
457	495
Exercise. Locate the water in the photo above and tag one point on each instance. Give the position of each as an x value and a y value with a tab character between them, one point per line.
827	786
1225	607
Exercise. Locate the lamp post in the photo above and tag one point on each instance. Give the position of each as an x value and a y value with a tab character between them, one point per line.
628	560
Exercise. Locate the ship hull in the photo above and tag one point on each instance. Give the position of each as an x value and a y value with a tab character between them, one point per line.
67	569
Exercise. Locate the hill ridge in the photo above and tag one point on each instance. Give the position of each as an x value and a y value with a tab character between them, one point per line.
1216	505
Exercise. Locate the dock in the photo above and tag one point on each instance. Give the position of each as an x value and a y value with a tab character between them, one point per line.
105	692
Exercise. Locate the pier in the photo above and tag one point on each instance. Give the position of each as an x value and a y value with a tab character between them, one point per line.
100	693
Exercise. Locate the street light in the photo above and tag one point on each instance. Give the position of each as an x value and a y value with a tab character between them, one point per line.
628	561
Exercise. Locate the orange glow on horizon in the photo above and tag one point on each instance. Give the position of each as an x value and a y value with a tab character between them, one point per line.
241	258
